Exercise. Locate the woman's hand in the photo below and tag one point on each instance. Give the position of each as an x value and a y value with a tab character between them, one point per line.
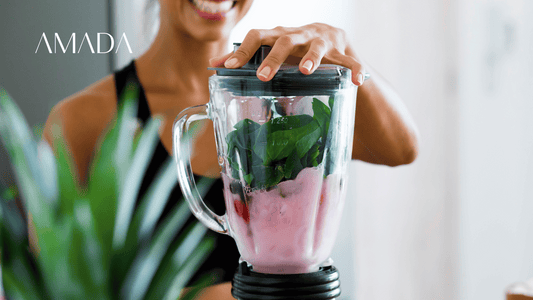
311	45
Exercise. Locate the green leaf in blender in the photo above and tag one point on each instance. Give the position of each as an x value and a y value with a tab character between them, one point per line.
248	178
266	177
280	148
293	166
307	141
260	145
322	115
313	157
331	101
321	111
246	125
282	142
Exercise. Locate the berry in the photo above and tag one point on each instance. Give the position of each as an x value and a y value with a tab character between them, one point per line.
242	210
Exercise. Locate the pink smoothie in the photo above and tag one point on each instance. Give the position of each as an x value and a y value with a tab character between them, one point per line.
291	228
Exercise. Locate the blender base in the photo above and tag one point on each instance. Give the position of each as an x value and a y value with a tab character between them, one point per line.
321	285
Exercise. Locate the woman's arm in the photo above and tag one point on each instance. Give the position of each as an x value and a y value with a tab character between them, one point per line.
220	291
385	132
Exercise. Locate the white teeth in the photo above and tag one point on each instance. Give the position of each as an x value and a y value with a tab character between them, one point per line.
213	7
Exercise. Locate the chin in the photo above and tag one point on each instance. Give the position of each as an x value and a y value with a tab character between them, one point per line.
209	33
214	36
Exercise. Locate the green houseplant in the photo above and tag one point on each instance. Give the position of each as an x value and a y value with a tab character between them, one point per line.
92	242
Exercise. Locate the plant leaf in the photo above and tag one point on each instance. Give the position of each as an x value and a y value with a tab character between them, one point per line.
76	227
130	190
55	260
127	127
69	188
152	206
16	287
153	203
92	254
22	148
173	263
147	262
47	164
105	173
14	251
187	271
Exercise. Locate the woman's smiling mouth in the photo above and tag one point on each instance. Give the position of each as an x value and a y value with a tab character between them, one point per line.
212	10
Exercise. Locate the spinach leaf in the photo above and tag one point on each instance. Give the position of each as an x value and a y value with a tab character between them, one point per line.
260	145
245	137
246	125
293	166
280	148
331	101
305	143
267	176
313	157
322	115
283	142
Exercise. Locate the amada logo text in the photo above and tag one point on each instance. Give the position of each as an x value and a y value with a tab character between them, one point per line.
86	42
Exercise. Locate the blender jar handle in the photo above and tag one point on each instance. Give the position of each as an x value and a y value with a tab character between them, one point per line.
181	149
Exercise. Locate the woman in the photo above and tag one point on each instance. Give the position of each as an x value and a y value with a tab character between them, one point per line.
193	35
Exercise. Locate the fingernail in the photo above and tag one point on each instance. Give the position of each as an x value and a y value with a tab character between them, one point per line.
231	62
308	65
360	78
265	72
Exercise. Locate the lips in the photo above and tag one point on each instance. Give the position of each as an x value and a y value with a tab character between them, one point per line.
214	10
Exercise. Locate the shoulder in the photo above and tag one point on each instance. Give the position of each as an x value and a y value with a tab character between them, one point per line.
99	93
86	109
82	117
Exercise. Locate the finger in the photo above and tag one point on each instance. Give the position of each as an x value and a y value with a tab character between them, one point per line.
278	54
218	61
313	57
358	72
246	50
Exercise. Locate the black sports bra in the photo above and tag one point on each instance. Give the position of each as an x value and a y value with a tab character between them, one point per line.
224	258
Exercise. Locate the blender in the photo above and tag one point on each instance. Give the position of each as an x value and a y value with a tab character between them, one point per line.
283	147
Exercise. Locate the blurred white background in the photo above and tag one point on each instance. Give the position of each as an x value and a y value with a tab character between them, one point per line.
457	223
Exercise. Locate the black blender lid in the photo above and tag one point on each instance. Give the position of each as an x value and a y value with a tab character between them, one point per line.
250	68
289	80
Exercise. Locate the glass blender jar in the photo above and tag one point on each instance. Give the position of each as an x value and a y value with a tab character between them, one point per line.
283	147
